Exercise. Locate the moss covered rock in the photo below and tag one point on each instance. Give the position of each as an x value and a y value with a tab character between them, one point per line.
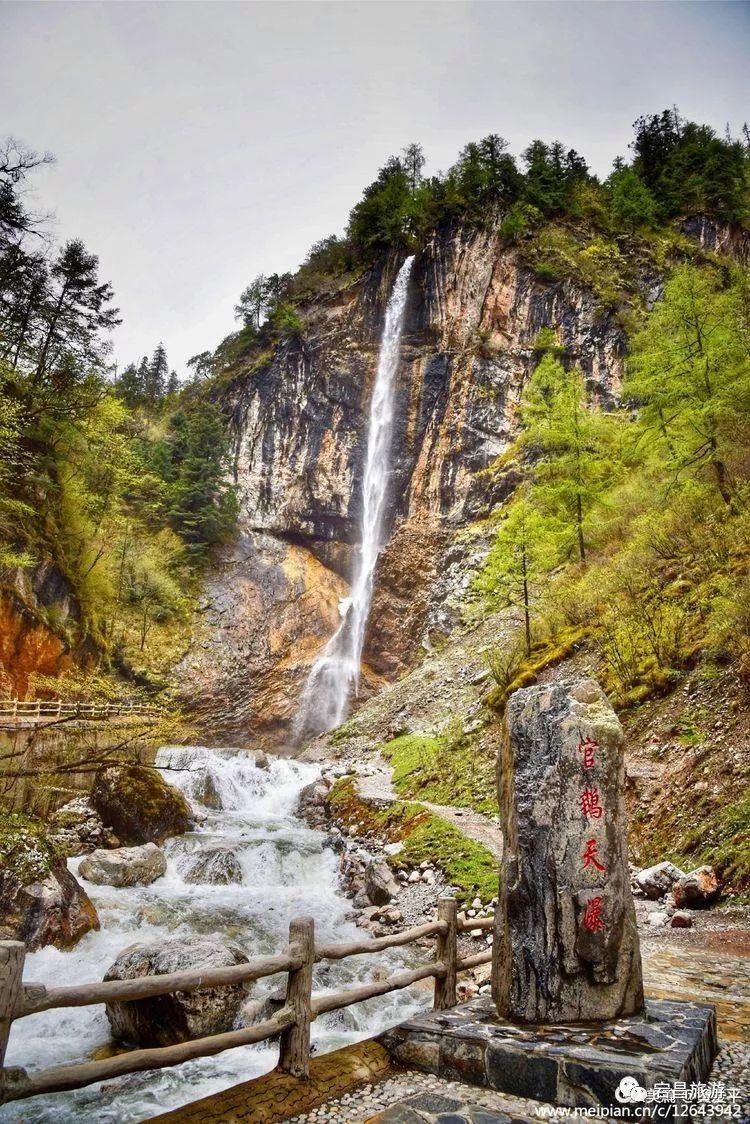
139	805
41	902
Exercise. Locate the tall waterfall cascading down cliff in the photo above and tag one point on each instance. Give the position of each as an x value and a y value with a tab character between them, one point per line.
335	672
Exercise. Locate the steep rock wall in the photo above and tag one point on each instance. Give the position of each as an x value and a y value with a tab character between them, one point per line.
300	430
40	628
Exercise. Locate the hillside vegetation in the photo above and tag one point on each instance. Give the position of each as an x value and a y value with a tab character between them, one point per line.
117	485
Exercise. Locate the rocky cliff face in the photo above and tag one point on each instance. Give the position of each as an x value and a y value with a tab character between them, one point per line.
300	426
40	628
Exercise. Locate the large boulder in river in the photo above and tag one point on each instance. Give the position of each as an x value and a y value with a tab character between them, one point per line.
167	1019
124	866
139	804
41	903
215	865
697	890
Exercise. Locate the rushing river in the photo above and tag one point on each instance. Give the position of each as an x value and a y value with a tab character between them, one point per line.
288	871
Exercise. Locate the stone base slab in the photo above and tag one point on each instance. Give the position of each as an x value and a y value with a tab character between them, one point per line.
575	1064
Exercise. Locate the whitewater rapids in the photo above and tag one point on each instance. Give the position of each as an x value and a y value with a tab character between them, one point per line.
289	870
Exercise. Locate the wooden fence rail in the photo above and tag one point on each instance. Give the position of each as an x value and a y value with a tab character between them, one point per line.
29	709
292	1022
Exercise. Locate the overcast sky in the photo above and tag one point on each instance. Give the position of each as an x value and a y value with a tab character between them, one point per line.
199	144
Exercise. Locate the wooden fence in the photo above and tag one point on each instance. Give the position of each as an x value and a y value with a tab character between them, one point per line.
291	1022
23	710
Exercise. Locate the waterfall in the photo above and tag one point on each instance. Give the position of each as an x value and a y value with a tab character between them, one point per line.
335	673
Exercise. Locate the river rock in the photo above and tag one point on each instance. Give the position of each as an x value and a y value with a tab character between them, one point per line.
380	885
697	890
681	919
124	866
139	804
656	881
77	828
566	943
217	866
167	1019
41	902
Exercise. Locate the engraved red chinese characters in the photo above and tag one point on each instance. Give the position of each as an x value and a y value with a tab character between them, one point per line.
592	916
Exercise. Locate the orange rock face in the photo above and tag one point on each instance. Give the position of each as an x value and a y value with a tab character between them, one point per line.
26	646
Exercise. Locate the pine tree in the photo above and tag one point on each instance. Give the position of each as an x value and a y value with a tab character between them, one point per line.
202	505
690	373
156	378
525	550
130	385
173	383
572	445
413	160
632	203
78	309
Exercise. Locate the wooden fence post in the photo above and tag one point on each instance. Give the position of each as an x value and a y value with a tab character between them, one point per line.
12	955
294	1054
446	950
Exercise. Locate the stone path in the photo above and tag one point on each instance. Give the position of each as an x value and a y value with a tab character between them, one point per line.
375	783
413	1097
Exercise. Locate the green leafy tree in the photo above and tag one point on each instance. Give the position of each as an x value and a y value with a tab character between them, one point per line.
254	302
689	169
130	386
632	203
201	365
575	462
202	506
157	375
525	550
382	217
689	372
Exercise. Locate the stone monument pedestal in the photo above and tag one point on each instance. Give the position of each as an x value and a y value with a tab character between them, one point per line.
567	1022
575	1064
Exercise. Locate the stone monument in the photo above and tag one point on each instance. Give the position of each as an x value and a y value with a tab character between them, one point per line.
567	1022
566	944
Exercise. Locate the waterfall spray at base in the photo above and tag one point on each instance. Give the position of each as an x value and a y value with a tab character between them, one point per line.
335	674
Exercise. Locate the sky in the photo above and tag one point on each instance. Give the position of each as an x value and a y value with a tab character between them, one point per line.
199	144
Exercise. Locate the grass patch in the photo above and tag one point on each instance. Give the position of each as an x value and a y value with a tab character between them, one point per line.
467	865
705	832
446	768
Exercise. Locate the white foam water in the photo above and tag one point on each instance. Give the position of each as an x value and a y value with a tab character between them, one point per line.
334	676
288	870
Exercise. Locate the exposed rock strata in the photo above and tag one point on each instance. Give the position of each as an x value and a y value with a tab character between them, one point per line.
300	427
